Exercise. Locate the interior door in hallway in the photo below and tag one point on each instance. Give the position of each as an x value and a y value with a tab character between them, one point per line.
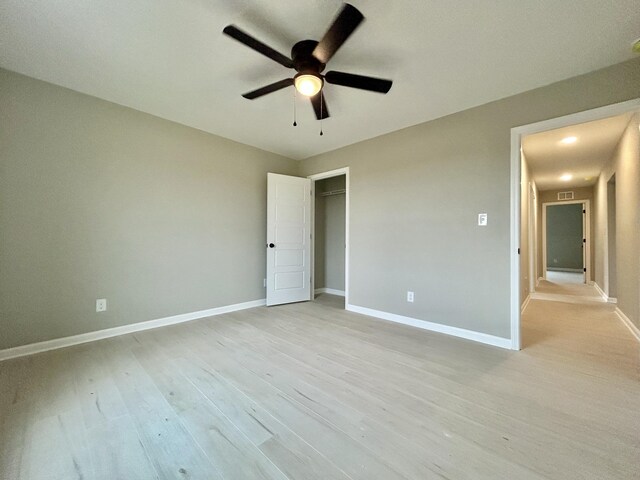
288	239
566	240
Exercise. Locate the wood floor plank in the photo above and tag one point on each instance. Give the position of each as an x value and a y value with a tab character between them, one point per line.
570	455
368	429
292	454
172	450
310	391
232	453
117	452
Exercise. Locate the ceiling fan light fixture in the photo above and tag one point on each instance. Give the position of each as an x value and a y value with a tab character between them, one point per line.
308	84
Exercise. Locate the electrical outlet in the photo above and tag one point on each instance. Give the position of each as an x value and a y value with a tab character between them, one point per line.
101	305
482	219
410	297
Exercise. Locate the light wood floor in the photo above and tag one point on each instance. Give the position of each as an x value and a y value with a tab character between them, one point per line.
311	392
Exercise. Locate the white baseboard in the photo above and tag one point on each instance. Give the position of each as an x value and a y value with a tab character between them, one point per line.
525	304
122	330
567	270
330	291
434	327
629	324
604	296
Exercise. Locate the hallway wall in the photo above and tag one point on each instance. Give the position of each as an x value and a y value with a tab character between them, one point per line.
625	164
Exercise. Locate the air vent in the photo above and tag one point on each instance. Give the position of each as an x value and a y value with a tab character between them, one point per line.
565	195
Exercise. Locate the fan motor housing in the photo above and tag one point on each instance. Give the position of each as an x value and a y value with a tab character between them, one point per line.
303	59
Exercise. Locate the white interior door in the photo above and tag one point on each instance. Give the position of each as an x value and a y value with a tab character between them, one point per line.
288	239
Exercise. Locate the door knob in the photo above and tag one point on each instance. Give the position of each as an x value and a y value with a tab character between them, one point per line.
271	245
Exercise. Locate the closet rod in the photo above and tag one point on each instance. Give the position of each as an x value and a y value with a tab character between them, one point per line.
332	192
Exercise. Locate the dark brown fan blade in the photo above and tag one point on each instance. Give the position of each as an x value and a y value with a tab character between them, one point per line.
319	105
358	81
345	23
257	45
269	89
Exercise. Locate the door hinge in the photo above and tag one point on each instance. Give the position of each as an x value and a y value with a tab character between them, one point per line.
518	251
584	269
584	211
584	240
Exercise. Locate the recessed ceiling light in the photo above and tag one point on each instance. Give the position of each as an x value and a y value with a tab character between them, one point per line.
566	177
569	140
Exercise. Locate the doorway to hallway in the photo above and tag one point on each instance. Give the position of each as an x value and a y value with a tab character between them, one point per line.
574	157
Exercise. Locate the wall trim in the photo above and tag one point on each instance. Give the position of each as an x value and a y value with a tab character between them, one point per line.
63	342
602	293
330	291
434	327
604	296
568	270
628	323
525	304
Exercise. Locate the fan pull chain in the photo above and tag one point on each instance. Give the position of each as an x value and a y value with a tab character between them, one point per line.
321	102
295	124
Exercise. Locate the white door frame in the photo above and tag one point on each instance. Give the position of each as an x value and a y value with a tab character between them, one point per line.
517	133
533	236
314	178
586	231
607	233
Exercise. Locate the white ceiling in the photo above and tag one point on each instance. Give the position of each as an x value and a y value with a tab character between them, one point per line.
169	58
549	158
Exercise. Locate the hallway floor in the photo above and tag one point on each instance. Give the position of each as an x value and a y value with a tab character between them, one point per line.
565	277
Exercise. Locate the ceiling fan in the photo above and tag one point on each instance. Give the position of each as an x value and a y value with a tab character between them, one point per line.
309	58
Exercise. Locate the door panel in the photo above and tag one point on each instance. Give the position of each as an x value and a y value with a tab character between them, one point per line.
289	231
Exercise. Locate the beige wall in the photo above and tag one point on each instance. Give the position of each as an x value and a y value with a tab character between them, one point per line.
625	164
415	195
101	201
551	196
